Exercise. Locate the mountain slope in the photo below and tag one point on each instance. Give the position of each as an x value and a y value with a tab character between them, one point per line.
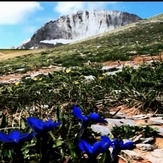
83	24
125	43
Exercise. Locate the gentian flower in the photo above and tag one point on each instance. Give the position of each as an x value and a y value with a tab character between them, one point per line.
106	142
97	148
85	119
39	126
15	139
120	145
42	128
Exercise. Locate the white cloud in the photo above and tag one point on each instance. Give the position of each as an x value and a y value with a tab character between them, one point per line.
64	8
15	12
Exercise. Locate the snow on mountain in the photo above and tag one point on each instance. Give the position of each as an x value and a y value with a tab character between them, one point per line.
55	41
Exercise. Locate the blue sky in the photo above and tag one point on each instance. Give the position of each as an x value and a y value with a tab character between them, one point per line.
19	20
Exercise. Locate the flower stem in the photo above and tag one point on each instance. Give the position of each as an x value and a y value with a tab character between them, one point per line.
92	160
18	156
45	149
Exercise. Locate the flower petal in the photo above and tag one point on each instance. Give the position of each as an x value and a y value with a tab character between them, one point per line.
84	118
85	147
77	112
4	137
97	148
106	142
96	117
55	124
116	147
26	136
102	120
127	145
14	135
35	123
48	126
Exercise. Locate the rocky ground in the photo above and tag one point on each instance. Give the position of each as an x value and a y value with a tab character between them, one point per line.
149	150
11	78
146	151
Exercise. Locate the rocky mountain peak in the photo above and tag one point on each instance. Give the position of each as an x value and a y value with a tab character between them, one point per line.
79	25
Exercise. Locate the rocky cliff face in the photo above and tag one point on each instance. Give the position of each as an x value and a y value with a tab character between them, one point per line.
80	25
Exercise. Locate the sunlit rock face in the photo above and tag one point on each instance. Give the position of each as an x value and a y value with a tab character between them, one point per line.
81	24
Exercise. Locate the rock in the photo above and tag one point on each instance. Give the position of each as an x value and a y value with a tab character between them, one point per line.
155	156
119	122
160	131
145	147
90	77
131	155
20	70
158	153
113	72
158	115
156	121
147	140
141	116
35	74
137	138
103	130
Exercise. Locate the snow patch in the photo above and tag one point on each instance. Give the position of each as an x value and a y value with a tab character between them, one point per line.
63	41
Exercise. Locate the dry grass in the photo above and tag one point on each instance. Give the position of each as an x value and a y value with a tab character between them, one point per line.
12	53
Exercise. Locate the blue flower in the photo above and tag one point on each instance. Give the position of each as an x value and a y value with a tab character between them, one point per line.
106	142
98	147
40	126
85	119
16	137
120	145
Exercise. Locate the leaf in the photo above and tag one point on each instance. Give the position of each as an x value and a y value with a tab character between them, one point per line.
71	148
23	126
51	134
58	143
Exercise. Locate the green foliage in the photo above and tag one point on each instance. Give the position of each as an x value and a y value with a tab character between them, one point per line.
129	131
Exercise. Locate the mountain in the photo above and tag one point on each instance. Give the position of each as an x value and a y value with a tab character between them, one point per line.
77	26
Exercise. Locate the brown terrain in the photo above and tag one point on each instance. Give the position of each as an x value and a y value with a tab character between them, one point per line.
7	54
136	61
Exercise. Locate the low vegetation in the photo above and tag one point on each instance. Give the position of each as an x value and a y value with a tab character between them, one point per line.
53	96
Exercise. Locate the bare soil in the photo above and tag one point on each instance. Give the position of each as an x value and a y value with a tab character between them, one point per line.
138	60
